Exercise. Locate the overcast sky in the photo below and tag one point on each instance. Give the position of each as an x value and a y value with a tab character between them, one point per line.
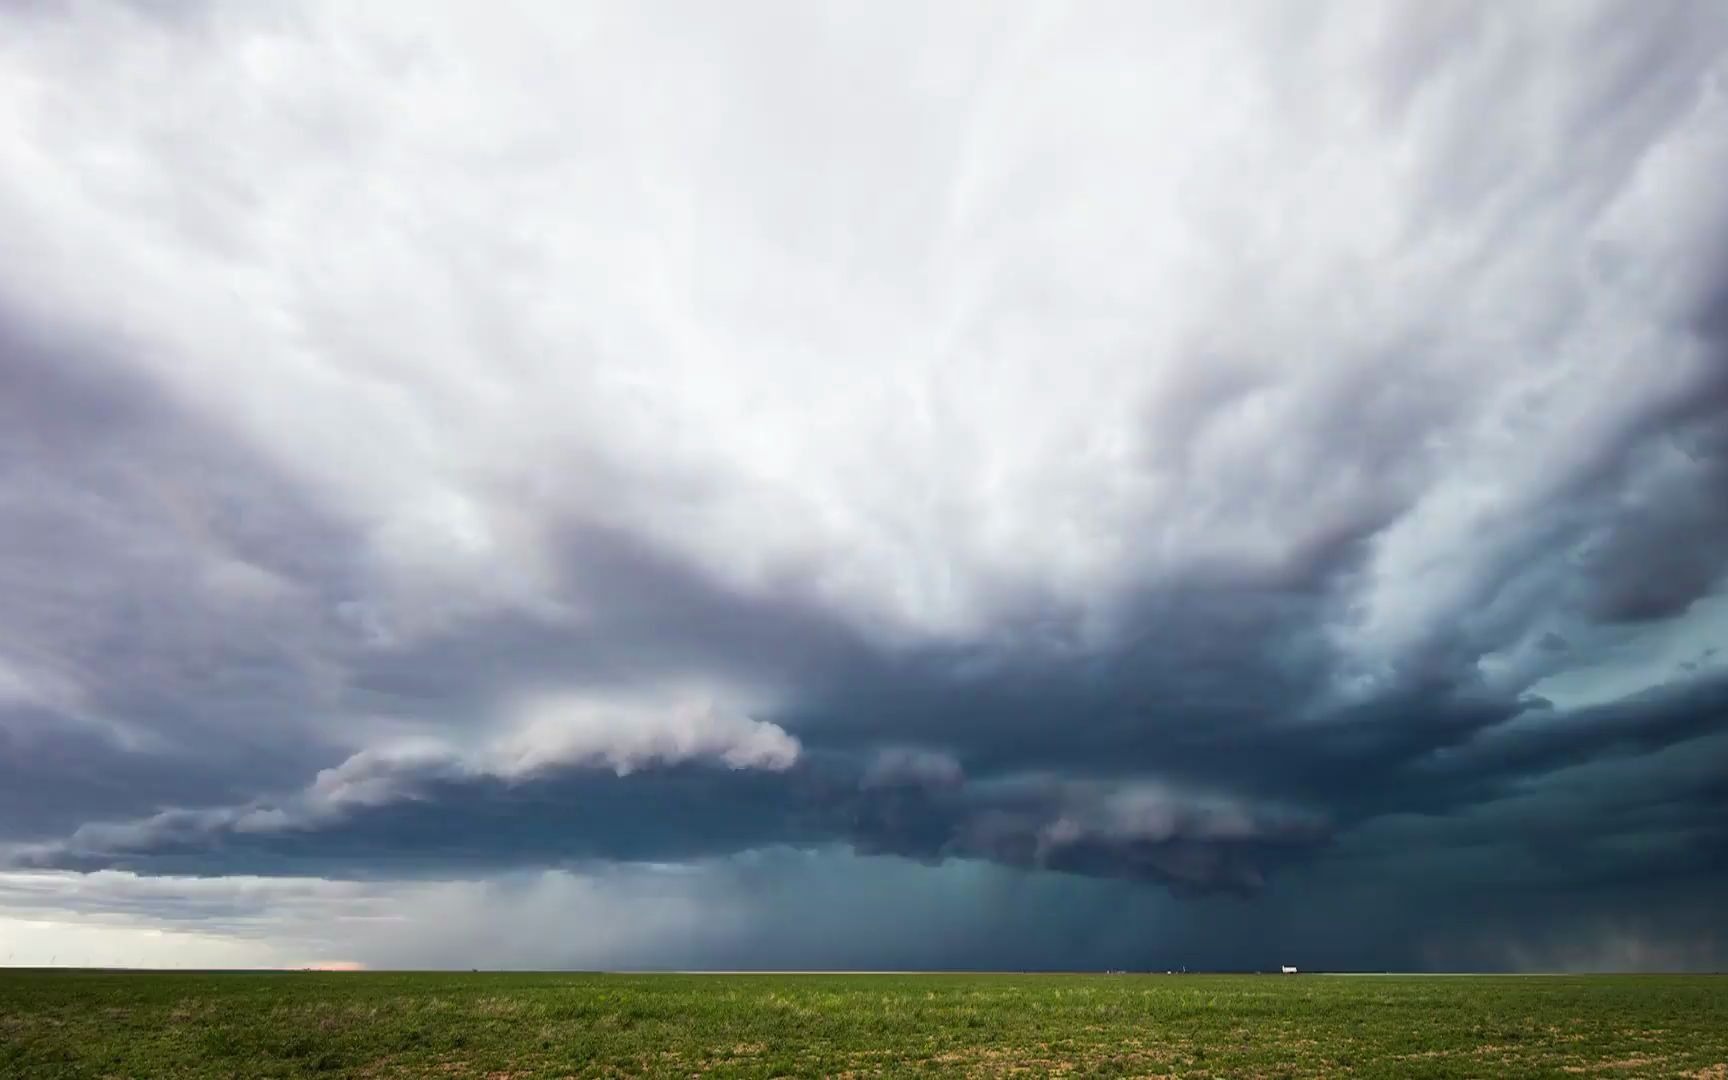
864	484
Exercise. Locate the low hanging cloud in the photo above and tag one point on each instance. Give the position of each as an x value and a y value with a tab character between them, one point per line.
395	809
992	455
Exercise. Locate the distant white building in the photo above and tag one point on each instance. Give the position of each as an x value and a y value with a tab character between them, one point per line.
1287	969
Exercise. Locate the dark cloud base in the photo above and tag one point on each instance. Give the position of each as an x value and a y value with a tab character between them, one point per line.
1196	694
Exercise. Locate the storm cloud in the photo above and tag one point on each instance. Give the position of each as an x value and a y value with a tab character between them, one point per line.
804	485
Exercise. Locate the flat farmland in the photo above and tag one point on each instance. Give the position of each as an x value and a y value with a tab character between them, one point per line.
516	1026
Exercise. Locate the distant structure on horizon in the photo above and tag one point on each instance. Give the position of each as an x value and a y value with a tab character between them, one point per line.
1287	969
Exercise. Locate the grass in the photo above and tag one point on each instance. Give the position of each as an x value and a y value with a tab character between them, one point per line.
515	1026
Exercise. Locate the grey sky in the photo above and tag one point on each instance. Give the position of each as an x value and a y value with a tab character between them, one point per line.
864	484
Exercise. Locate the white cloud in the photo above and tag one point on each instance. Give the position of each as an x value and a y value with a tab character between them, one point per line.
626	736
621	734
911	309
108	918
32	685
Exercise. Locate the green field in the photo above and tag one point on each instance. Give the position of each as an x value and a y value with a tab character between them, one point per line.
498	1026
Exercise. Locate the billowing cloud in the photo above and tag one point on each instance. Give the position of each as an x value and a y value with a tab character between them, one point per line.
1205	461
